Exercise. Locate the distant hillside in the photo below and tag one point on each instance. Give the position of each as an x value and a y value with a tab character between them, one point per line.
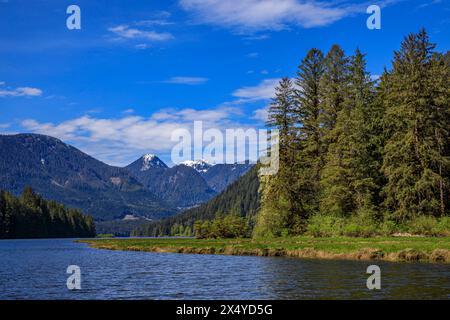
187	184
240	197
31	216
221	176
180	186
63	173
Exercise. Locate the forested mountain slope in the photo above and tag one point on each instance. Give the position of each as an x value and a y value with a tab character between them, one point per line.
63	173
31	216
241	197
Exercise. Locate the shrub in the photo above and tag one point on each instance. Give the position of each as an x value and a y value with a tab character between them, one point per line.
362	224
389	227
442	227
321	225
422	225
229	226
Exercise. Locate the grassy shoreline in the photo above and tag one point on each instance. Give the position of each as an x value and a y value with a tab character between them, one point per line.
395	249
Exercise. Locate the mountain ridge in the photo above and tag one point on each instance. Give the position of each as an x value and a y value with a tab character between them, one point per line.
65	174
145	189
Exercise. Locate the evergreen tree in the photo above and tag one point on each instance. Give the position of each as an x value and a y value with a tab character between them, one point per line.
31	216
311	157
349	176
333	88
279	201
416	158
282	116
5	217
364	163
336	193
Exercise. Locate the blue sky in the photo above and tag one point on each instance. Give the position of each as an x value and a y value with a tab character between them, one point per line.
139	69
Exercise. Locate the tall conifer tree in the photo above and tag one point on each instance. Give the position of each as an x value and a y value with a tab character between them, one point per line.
416	158
311	156
279	200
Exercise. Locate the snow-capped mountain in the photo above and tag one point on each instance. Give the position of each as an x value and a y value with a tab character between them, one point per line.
188	183
151	161
201	166
180	186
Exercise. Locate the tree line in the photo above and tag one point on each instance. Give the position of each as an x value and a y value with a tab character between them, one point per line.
359	155
31	216
360	152
223	226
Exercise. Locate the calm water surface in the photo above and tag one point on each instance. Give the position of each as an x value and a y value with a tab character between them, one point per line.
36	269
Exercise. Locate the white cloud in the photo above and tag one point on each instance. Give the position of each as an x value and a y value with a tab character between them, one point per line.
187	80
253	55
256	15
120	141
430	3
142	46
126	32
153	22
20	92
261	114
265	90
257	37
128	111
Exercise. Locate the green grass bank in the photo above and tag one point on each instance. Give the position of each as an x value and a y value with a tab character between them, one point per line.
395	249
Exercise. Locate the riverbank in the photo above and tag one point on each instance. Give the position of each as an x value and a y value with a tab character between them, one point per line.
395	249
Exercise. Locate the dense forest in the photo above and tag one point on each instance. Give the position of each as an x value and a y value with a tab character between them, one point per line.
30	216
358	155
240	198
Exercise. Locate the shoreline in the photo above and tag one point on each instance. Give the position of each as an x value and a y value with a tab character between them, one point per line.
371	249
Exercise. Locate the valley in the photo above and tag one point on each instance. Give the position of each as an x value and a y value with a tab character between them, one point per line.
145	190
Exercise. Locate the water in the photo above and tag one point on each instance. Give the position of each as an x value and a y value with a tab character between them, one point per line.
36	269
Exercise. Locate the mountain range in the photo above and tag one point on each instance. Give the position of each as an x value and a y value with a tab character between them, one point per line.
187	184
146	188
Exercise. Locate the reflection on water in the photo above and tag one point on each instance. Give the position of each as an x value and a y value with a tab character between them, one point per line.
36	269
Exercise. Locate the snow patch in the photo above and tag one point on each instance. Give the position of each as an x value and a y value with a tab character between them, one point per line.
201	166
149	161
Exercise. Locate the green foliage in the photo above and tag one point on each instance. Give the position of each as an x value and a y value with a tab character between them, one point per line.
429	226
416	154
229	226
325	225
366	225
30	216
241	197
312	152
371	158
105	235
280	192
347	180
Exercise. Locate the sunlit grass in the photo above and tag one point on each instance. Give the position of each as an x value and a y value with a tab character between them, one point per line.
336	245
